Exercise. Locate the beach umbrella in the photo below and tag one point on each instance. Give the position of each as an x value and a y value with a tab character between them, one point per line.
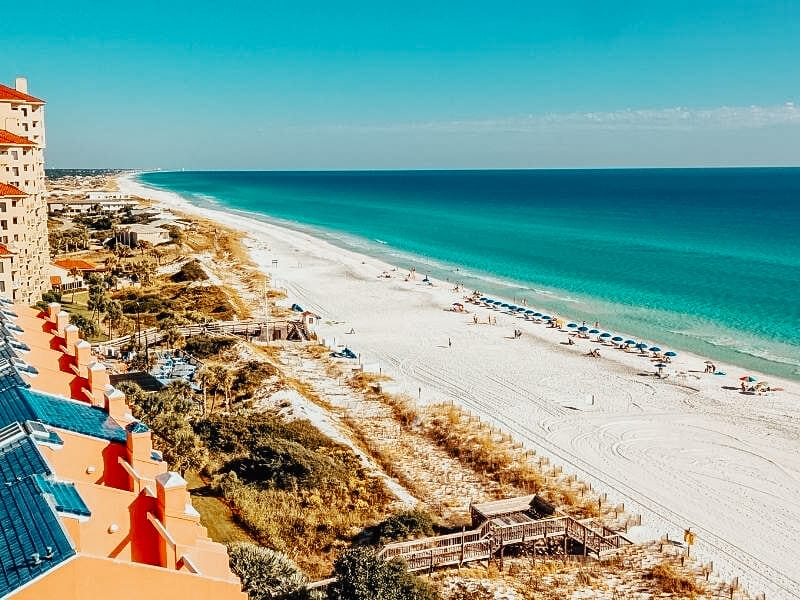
572	325
641	345
546	317
594	331
630	342
606	335
503	305
616	338
521	309
748	378
655	349
583	328
660	365
497	302
537	314
670	353
529	311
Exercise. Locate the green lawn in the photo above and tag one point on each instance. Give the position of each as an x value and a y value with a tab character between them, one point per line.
214	514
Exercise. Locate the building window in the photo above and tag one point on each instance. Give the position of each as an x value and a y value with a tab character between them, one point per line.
4	225
2	267
2	286
15	220
2	207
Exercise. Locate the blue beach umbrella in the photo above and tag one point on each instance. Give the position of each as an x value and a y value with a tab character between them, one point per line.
606	335
503	305
529	311
641	345
630	342
572	325
655	349
546	317
497	302
520	309
616	338
670	353
594	331
583	328
537	314
660	365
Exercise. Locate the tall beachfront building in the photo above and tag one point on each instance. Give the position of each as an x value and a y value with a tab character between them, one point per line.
24	248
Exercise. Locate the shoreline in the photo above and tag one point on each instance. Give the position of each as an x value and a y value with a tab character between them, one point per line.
631	435
701	334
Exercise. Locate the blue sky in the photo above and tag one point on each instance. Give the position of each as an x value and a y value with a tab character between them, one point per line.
305	85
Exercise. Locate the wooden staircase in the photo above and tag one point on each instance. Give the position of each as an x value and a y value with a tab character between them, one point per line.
493	535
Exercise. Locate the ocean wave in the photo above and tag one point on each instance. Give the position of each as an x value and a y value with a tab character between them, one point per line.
738	346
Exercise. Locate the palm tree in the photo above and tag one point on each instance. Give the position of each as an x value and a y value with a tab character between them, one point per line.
205	379
143	245
74	272
113	316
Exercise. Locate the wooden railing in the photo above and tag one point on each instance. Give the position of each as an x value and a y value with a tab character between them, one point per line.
153	336
482	543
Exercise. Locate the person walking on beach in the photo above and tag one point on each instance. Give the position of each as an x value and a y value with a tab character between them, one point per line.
449	343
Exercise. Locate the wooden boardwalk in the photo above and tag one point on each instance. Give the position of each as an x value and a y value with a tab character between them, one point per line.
250	328
496	533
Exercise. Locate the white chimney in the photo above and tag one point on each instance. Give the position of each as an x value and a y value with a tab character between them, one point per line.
22	85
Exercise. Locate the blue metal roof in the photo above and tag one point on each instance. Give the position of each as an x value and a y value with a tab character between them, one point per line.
33	540
19	404
74	416
65	496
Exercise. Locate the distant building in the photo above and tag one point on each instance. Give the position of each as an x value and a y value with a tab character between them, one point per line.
62	280
131	235
6	270
83	207
105	196
84	266
61	274
23	212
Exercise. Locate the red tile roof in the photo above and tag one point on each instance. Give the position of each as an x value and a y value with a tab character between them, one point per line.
7	93
4	251
75	263
10	190
11	139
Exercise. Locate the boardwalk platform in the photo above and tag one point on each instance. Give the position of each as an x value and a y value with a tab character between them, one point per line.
500	524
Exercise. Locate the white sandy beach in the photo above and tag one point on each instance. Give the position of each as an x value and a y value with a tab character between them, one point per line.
683	452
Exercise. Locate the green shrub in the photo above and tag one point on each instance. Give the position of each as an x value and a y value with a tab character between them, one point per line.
204	346
361	575
404	526
191	271
265	573
238	433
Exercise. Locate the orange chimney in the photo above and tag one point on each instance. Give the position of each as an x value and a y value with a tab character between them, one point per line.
139	442
62	320
71	336
83	355
52	311
172	494
115	404
97	376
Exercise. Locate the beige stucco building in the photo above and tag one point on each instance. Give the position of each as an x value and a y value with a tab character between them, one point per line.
23	207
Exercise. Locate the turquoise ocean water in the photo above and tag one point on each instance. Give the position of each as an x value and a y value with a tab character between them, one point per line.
706	260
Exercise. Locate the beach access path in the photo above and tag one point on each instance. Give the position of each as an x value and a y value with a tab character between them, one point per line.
689	454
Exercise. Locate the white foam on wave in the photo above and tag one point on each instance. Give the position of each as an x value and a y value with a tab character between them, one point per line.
740	346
